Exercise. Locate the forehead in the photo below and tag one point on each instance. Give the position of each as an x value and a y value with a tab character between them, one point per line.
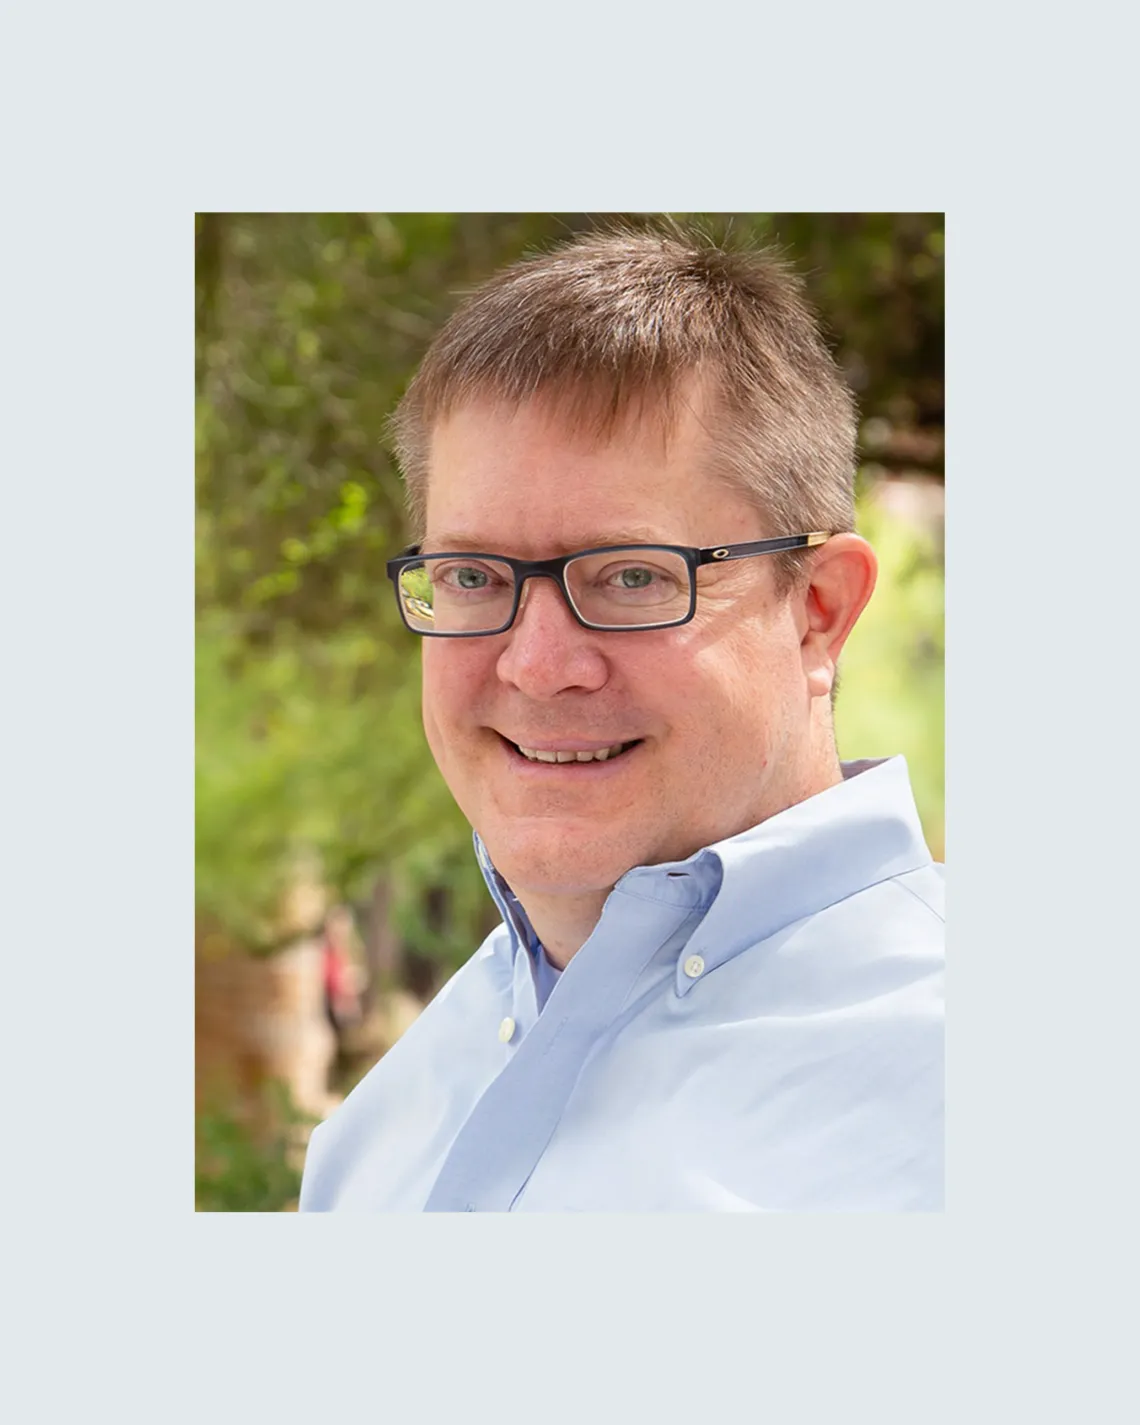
527	478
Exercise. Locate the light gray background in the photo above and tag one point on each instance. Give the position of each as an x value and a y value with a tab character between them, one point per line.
122	121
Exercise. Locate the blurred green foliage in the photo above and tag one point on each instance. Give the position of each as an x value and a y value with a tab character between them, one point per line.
247	1167
309	747
308	730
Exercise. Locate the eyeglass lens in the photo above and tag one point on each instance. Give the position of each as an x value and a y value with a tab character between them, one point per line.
615	589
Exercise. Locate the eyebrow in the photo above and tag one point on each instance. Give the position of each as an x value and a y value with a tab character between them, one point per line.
450	540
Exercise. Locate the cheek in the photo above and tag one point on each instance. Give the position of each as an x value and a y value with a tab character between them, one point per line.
452	676
735	693
436	699
430	719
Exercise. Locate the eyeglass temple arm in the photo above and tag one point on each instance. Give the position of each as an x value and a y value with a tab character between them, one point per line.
762	546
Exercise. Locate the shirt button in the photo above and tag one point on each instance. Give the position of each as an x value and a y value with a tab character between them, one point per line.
694	966
506	1030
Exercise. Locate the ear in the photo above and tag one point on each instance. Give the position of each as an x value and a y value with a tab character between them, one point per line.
841	580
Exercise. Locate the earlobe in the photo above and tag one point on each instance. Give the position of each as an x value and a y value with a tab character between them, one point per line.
841	581
820	676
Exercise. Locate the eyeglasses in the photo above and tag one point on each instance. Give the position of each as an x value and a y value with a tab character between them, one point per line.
617	588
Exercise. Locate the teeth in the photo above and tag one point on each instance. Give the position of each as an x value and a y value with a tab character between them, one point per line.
600	756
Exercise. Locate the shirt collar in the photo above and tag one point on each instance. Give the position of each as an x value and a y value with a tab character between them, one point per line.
863	830
510	908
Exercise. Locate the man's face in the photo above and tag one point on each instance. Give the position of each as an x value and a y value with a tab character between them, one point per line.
718	707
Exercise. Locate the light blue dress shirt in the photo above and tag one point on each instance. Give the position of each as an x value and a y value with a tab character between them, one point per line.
756	1028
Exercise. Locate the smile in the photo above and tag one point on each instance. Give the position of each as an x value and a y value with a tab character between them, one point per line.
554	756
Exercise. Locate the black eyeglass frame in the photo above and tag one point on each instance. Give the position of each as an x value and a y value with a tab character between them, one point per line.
524	569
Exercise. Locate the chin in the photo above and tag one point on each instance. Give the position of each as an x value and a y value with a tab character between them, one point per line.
563	862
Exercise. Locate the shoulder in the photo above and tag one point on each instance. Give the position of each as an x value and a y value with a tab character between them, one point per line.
440	1062
927	885
882	948
906	907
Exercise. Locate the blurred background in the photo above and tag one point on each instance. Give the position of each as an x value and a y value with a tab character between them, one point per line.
336	887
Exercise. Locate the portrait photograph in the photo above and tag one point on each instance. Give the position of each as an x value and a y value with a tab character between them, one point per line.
569	729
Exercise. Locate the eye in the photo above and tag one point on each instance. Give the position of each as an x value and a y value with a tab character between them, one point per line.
468	577
638	579
471	581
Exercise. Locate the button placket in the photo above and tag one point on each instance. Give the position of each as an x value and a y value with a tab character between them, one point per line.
507	1132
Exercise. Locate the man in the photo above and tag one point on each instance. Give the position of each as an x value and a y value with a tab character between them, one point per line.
717	984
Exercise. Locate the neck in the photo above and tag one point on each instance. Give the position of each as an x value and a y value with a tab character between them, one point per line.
562	923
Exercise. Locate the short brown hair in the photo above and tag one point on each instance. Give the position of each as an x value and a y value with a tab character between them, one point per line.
618	321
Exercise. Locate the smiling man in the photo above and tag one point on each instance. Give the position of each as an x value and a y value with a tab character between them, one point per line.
717	984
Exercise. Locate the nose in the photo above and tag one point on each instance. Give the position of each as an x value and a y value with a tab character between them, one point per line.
547	650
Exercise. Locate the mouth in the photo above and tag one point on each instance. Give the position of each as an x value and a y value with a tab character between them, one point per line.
571	757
